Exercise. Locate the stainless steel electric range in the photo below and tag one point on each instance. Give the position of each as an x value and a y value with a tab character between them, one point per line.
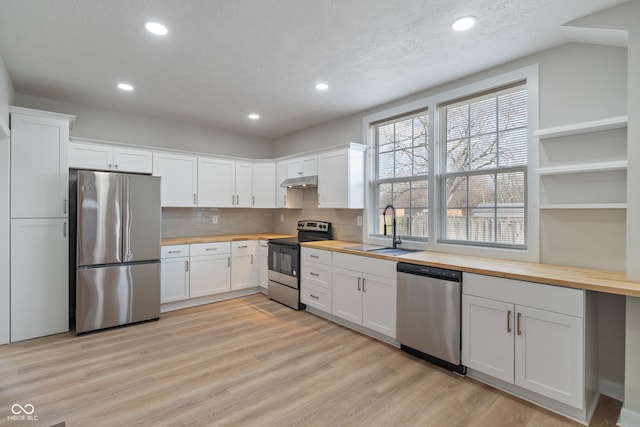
284	262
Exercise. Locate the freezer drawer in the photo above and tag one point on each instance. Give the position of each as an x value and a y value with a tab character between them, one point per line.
117	295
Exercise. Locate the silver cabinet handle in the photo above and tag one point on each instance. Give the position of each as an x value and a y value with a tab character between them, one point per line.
314	256
211	249
186	266
251	258
359	280
228	261
110	165
313	296
243	247
253	201
509	321
64	206
233	199
237	200
64	229
115	166
364	282
519	332
195	200
175	252
314	274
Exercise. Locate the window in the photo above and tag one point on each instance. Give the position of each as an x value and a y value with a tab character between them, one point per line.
484	160
402	167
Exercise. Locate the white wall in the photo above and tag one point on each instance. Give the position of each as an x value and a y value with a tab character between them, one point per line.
108	125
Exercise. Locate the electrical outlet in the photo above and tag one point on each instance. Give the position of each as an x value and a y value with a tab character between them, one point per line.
359	221
214	219
281	218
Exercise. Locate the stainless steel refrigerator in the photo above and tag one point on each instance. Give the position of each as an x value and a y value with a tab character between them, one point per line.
118	228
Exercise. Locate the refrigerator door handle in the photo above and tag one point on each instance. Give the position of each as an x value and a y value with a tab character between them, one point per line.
126	216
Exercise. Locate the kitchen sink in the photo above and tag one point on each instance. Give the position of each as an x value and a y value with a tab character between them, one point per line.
382	250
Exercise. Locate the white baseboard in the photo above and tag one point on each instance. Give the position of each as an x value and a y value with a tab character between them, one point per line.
628	418
613	389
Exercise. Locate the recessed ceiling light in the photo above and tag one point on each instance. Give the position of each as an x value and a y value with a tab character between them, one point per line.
254	116
464	23
156	28
125	86
322	86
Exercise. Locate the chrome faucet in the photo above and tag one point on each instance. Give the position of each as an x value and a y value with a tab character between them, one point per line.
396	239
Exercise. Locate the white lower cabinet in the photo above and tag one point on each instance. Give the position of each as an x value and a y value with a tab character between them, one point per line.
263	252
174	279
244	264
367	299
210	269
39	277
315	278
527	334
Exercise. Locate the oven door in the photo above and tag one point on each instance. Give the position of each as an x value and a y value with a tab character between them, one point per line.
284	264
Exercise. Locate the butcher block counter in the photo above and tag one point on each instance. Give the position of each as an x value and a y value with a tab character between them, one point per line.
221	238
613	282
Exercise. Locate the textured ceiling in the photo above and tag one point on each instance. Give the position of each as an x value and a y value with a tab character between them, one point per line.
224	59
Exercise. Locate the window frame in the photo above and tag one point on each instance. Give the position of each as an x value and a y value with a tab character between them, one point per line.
434	98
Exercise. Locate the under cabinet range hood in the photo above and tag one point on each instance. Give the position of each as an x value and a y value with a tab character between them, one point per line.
301	182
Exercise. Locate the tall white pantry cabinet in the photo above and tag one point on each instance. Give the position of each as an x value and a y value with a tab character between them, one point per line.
39	223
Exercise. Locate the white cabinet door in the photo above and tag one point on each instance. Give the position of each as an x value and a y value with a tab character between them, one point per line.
132	160
379	304
263	185
549	354
346	295
310	166
487	336
90	156
244	268
39	167
243	184
179	178
216	182
294	168
39	277
341	178
264	264
209	275
286	198
174	280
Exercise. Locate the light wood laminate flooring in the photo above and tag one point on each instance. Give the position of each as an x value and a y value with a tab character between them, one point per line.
248	362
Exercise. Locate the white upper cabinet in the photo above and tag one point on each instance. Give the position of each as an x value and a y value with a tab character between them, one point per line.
243	184
263	186
216	182
341	178
302	166
110	158
179	179
39	164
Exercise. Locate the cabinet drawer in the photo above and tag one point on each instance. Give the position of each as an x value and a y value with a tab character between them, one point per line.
315	255
316	274
243	247
536	295
216	248
317	297
175	251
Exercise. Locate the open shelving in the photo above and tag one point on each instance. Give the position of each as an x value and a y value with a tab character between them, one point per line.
582	127
584	167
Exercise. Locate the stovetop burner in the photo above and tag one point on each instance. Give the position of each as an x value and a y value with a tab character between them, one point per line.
308	231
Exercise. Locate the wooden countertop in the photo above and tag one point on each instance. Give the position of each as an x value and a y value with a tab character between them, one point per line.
613	282
221	238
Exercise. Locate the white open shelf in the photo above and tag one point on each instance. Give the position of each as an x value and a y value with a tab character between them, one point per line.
583	127
584	167
583	206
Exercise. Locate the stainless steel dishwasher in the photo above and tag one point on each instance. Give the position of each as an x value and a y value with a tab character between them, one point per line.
428	314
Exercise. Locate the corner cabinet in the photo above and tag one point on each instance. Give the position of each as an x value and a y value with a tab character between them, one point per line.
341	178
531	337
179	179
